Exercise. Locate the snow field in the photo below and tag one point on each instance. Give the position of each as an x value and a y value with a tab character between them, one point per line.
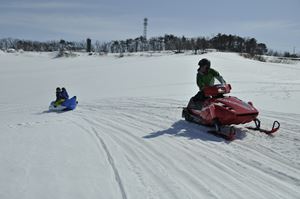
126	138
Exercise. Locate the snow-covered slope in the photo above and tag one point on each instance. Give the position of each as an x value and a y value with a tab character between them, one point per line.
126	139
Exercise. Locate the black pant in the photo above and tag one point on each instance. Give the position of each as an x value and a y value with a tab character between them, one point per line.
199	96
196	102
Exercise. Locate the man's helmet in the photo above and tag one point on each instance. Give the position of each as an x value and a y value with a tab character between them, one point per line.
204	62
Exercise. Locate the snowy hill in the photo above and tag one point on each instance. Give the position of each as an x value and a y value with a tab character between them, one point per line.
126	139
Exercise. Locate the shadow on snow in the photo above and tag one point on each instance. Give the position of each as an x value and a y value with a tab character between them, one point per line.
52	111
192	131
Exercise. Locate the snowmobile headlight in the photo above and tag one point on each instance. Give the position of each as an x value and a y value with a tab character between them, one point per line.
221	90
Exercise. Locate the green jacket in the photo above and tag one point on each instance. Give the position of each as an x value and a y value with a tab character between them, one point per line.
208	79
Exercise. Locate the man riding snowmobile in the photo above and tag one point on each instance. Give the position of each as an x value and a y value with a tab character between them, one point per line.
205	77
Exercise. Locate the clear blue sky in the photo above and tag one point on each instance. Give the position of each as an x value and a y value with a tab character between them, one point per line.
273	22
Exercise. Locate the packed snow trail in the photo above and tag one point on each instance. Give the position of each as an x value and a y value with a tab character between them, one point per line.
155	154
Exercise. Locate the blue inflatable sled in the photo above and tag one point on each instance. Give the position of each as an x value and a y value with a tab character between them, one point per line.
69	104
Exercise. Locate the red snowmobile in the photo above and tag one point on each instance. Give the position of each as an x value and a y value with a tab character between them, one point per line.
219	111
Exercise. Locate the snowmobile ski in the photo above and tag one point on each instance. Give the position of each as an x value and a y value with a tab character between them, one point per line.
275	127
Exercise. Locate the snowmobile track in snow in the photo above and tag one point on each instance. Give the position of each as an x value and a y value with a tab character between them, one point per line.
141	135
111	162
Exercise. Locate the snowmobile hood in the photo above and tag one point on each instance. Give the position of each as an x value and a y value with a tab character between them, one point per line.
238	106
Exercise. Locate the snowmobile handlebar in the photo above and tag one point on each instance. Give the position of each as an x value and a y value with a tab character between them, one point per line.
216	90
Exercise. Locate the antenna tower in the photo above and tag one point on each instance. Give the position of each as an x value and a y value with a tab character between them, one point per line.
145	28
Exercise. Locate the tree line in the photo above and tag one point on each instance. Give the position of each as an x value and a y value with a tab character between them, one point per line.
169	42
220	42
48	46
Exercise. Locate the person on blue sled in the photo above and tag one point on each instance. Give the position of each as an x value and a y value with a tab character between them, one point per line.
205	77
64	93
61	96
